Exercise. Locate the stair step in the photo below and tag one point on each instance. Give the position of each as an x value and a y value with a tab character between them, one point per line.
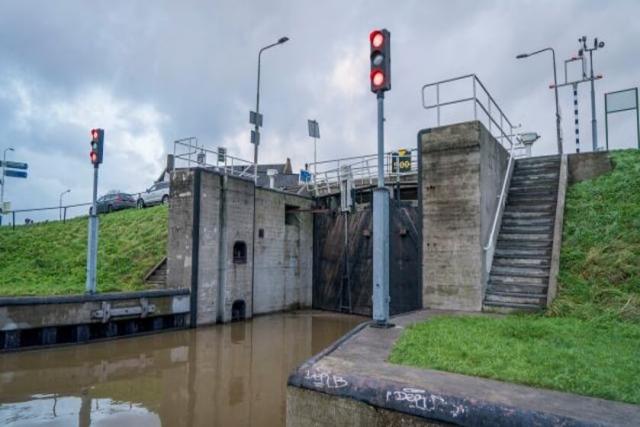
523	288
515	261
526	202
507	308
546	220
499	279
534	207
534	176
528	188
522	214
527	229
554	158
537	168
534	192
524	244
523	253
516	298
537	272
526	237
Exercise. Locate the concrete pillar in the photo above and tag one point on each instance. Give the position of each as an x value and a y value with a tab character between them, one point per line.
461	170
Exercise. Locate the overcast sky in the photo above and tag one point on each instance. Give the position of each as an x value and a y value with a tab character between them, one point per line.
150	72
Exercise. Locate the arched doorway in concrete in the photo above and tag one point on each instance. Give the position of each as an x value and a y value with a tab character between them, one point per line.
238	310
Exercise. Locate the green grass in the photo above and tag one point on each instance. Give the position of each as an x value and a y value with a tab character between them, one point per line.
50	259
588	342
590	358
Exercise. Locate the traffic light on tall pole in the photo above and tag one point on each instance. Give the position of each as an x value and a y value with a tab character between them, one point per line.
380	56
380	44
97	146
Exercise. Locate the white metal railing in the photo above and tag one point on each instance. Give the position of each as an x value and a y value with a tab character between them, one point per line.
188	152
505	132
363	170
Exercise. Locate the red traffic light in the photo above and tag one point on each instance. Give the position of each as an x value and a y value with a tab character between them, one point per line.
93	156
94	133
377	78
376	38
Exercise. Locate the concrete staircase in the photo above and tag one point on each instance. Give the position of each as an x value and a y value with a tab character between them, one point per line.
519	274
157	276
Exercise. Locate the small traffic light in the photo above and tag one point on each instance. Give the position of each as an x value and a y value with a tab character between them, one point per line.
380	42
97	145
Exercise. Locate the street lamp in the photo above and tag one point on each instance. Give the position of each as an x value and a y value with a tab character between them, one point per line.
257	118
62	194
2	179
555	88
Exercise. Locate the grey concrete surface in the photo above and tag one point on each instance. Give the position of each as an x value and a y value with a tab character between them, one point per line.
584	166
462	168
358	369
552	290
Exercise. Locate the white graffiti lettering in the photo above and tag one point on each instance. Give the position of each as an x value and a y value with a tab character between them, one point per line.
416	398
325	379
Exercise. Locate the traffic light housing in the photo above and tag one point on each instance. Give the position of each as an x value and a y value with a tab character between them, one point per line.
97	146
380	76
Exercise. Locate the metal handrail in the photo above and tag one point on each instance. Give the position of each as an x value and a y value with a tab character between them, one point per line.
489	247
364	170
184	149
476	102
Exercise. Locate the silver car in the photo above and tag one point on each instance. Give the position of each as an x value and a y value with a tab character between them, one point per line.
156	194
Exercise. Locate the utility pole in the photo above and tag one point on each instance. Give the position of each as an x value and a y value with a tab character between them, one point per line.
380	43
594	122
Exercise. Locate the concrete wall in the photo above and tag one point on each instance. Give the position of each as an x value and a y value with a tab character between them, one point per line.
311	408
283	253
583	166
461	168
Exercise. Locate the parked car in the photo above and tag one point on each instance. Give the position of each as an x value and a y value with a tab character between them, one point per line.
115	201
157	193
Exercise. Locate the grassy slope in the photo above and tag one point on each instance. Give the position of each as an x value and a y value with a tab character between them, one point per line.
589	340
50	259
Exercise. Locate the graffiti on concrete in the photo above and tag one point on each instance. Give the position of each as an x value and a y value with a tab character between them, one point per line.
325	379
416	398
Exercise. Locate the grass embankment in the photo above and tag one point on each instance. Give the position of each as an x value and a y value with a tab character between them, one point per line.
50	259
588	342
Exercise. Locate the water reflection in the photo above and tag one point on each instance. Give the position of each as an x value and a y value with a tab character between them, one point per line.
220	375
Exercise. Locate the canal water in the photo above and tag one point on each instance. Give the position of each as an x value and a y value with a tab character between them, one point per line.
223	375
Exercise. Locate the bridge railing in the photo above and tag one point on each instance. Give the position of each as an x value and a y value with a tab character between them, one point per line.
188	152
363	170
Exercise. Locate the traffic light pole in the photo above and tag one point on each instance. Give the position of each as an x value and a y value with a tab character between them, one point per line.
381	232
92	246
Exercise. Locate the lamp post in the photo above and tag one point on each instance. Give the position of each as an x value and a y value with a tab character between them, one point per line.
62	194
555	83
2	180
257	118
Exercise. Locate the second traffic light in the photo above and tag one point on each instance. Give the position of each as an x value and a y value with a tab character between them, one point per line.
380	43
97	146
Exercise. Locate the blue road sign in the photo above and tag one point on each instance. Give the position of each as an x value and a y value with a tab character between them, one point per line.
15	174
305	176
14	165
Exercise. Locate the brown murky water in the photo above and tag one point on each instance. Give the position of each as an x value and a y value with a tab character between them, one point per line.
226	375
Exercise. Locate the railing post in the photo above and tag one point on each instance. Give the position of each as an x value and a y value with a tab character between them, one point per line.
490	116
475	100
13	220
64	215
438	102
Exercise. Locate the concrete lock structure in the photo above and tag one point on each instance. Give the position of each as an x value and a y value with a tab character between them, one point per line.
241	249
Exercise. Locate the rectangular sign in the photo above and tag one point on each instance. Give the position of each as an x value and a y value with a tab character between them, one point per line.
622	100
222	153
305	176
5	207
401	161
14	165
252	118
15	174
314	129
255	137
